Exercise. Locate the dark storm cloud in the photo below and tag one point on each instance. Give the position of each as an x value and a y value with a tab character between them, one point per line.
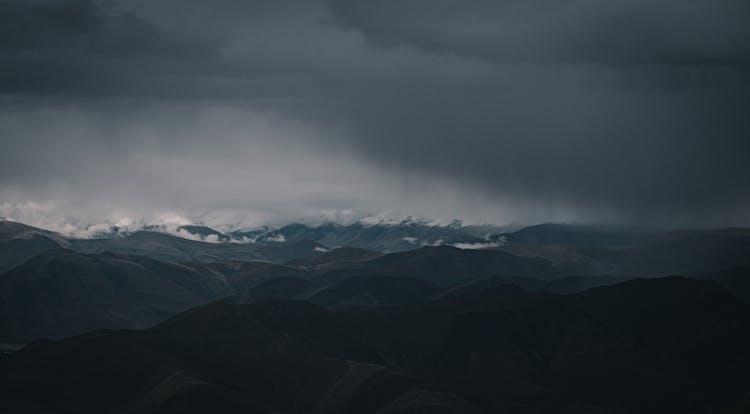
84	25
608	31
87	47
579	109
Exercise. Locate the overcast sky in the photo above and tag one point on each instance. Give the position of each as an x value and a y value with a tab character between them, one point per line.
493	111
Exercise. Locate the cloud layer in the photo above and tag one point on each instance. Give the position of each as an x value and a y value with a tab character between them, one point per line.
503	111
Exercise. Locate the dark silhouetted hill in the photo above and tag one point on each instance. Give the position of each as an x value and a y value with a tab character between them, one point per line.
647	346
61	292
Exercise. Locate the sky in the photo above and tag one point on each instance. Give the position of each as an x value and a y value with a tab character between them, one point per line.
243	113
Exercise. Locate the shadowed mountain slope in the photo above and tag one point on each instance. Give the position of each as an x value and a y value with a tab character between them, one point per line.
339	256
689	252
446	265
205	232
165	247
62	292
19	242
375	290
582	235
245	275
736	280
383	237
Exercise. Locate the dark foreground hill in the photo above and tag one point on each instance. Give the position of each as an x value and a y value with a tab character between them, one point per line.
736	280
646	346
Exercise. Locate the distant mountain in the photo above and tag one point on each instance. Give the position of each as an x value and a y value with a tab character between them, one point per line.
571	260
382	236
582	235
277	287
205	233
338	278
167	248
562	285
61	292
19	242
245	275
446	265
176	249
525	253
475	287
574	284
572	249
287	250
689	252
592	250
11	230
375	290
339	256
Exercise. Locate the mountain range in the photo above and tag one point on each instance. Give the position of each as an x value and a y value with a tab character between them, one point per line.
376	318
